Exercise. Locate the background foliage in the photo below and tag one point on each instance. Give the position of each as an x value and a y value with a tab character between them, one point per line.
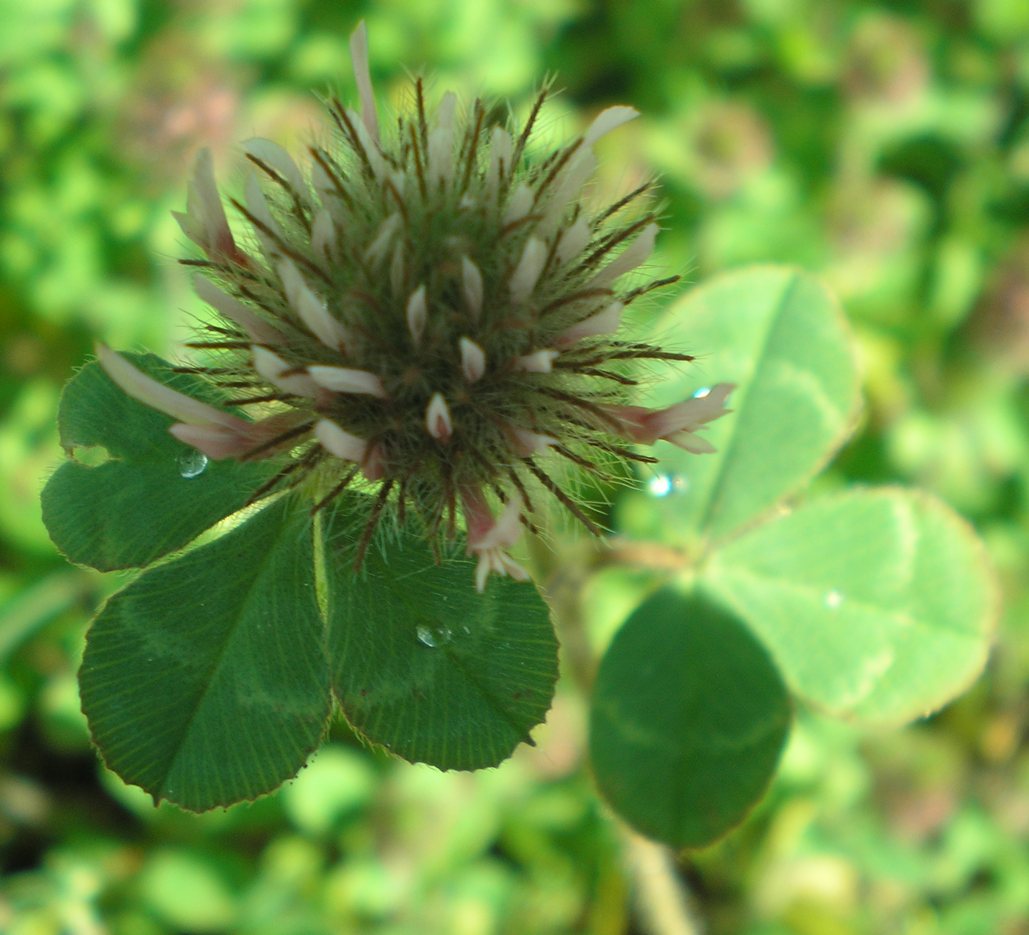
885	147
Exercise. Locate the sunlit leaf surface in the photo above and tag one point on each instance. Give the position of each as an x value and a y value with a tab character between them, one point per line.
688	718
779	335
205	681
151	494
877	604
426	666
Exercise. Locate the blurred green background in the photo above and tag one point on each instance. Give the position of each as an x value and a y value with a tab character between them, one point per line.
882	146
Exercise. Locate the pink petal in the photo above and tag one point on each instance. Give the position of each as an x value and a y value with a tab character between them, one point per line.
215	441
489	537
258	330
370	145
219	442
376	250
347	380
339	442
477	516
527	272
691	413
567	191
497	561
505	531
541	361
362	75
309	308
632	256
257	205
272	367
437	419
374	465
440	155
604	322
607	120
417	314
677	423
633	421
276	158
163	398
501	149
323	236
692	443
473	360
573	241
205	222
526	443
519	204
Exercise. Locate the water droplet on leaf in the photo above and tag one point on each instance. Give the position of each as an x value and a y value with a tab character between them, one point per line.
432	636
664	485
833	599
192	464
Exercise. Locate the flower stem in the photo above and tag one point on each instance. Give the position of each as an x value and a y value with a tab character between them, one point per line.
663	901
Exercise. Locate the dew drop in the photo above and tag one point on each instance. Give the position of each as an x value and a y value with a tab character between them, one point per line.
192	464
702	392
660	486
664	485
432	637
833	599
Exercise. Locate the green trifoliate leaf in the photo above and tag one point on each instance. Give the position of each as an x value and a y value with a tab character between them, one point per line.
688	719
782	339
875	604
426	666
205	681
153	494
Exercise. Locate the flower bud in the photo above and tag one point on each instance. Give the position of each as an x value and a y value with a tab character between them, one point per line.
427	311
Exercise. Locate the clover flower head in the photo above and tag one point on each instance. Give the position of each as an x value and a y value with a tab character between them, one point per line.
428	311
